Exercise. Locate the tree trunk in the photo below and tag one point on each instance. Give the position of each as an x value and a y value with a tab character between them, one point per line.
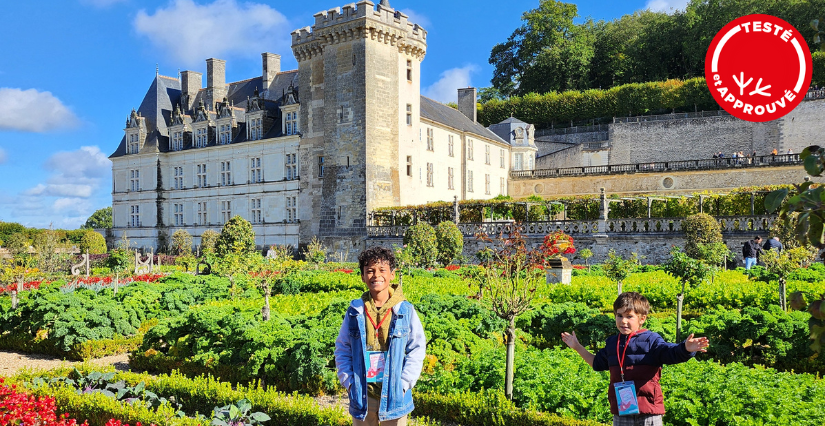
619	285
783	302
265	311
14	300
511	346
679	299
116	281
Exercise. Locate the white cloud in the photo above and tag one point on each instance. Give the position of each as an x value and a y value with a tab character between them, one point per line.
191	32
66	197
33	111
3	156
446	88
101	3
417	18
666	5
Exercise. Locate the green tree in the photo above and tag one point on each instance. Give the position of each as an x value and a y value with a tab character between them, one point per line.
236	230
17	244
421	244
544	31
511	278
209	239
46	245
782	264
689	271
92	242
101	218
701	230
182	243
618	268
315	252
449	242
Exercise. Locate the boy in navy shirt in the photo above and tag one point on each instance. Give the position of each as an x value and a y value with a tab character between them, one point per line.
636	355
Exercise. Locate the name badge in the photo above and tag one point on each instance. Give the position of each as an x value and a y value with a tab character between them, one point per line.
375	369
626	398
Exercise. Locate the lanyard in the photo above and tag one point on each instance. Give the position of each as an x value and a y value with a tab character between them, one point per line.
378	326
621	358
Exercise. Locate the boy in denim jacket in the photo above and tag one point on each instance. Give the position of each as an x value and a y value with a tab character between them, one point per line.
380	349
637	355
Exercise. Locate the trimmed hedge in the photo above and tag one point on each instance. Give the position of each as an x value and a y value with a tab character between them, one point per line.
620	101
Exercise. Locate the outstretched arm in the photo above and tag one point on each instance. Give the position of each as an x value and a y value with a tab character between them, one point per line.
699	344
573	343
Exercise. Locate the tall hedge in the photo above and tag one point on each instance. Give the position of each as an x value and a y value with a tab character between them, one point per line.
700	228
93	242
543	110
236	230
421	243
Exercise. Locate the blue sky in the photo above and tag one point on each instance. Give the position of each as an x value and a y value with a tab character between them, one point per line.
72	70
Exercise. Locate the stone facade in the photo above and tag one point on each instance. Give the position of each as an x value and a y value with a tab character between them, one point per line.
638	141
676	182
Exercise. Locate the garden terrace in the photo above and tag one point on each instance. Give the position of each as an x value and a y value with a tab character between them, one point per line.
663	166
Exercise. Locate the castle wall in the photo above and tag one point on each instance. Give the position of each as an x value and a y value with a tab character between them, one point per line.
569	156
681	182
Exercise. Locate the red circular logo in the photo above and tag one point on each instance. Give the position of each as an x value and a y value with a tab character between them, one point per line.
758	68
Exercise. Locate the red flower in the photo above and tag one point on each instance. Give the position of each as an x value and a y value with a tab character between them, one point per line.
452	267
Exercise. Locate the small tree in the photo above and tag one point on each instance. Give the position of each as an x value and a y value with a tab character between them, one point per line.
237	232
209	239
48	258
700	229
511	277
618	269
235	263
421	243
449	242
315	252
782	264
181	243
17	244
689	271
93	243
586	254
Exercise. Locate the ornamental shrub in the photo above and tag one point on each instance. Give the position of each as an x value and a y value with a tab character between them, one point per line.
236	230
17	243
209	239
93	242
181	243
700	229
422	245
449	241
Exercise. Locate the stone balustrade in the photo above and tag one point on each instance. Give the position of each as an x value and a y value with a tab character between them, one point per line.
646	226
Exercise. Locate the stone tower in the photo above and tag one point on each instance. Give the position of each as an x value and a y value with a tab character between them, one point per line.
358	71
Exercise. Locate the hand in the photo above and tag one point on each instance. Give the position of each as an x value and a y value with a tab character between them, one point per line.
571	340
698	344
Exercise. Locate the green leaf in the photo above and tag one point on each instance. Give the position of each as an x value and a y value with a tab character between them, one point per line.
259	417
812	165
774	199
234	412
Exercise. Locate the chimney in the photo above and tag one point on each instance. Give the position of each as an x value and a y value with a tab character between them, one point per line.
215	82
190	83
272	66
467	102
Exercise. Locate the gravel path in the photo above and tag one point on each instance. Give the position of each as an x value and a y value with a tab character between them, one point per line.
12	362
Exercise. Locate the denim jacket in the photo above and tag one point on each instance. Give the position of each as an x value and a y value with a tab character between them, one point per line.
405	358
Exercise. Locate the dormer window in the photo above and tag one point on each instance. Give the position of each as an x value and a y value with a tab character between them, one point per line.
134	143
177	141
225	135
255	129
201	137
291	123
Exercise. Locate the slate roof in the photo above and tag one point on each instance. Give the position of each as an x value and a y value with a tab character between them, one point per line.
440	113
165	93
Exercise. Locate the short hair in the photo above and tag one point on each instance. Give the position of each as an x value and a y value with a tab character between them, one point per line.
632	301
757	238
376	254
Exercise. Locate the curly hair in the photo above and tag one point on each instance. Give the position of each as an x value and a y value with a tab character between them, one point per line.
376	254
631	301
